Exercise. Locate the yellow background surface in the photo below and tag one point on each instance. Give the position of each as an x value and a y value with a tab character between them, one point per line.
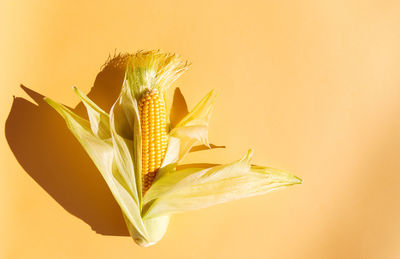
313	86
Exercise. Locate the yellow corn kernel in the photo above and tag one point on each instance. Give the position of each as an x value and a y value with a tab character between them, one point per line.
154	135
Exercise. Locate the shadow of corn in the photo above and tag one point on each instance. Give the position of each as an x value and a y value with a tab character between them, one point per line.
50	154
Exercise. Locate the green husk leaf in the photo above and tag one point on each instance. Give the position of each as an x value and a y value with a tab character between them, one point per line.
102	154
166	182
193	189
124	132
192	129
99	119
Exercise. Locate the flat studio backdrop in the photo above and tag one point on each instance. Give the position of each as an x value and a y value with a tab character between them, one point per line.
312	86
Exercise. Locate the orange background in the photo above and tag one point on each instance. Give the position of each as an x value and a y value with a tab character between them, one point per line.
313	86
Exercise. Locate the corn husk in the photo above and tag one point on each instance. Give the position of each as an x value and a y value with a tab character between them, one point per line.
113	142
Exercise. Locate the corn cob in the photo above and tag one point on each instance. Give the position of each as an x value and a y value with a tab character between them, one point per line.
154	135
